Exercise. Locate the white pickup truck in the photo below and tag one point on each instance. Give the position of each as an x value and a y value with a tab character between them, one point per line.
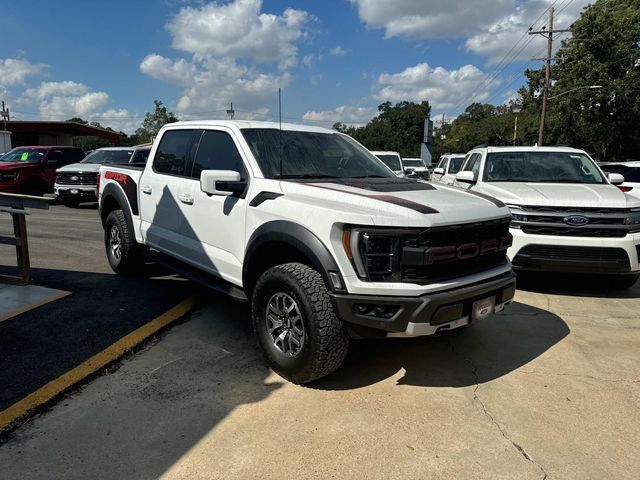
318	234
568	215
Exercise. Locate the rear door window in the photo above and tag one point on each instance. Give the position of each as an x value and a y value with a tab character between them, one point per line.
173	156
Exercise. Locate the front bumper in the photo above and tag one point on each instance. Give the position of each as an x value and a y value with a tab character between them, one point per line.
78	193
591	255
423	315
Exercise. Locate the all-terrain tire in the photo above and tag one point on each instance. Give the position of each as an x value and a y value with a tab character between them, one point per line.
123	253
325	339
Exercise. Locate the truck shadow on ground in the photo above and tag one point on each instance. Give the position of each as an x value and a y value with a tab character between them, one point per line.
568	284
472	355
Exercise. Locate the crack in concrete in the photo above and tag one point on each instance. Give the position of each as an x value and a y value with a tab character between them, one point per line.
505	435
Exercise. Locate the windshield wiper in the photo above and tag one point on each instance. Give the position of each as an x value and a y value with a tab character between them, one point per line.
369	176
304	175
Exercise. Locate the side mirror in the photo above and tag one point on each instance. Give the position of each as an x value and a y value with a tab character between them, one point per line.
439	171
221	182
53	163
615	178
465	177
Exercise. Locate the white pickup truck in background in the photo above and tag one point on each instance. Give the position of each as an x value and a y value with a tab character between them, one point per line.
320	236
568	215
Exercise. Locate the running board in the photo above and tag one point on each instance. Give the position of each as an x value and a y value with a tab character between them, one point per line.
203	278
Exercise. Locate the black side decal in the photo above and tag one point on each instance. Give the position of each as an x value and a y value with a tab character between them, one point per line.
491	199
384	185
128	185
263	197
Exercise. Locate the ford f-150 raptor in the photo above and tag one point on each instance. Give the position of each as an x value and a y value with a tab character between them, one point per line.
321	237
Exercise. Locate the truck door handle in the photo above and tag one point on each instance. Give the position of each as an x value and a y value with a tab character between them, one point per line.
146	189
186	198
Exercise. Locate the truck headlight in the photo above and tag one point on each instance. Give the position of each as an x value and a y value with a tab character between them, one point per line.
633	220
517	215
8	176
375	253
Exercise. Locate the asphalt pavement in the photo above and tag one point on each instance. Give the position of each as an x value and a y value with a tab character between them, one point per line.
67	253
550	388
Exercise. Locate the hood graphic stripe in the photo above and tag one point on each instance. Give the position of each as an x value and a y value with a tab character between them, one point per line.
401	202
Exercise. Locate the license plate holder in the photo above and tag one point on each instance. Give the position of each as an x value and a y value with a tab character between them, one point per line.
483	309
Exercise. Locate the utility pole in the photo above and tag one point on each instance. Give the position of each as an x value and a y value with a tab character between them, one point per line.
5	115
231	112
546	32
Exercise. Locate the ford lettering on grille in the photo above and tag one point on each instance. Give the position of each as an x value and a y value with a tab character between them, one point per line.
576	220
467	251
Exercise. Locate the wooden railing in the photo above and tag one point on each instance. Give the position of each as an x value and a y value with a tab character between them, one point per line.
16	206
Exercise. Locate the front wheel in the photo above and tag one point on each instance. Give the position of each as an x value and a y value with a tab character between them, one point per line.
293	318
123	253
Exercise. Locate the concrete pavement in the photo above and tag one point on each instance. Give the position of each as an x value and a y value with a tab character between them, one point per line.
549	388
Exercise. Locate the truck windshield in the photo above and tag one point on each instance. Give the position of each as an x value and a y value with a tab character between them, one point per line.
109	156
541	167
391	161
412	162
311	155
26	155
455	164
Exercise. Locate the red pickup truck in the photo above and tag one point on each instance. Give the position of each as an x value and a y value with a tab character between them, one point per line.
32	170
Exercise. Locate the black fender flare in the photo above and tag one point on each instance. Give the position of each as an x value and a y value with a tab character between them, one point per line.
111	191
297	236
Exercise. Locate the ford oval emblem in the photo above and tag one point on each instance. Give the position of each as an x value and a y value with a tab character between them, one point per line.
576	220
74	179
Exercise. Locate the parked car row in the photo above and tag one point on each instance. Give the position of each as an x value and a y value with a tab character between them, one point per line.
404	167
568	215
65	171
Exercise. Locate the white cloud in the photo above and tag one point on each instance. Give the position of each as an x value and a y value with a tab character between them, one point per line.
441	87
64	99
14	71
214	83
347	114
121	120
338	51
507	30
431	18
230	43
239	30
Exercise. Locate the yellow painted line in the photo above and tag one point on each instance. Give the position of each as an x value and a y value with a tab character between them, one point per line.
31	306
110	354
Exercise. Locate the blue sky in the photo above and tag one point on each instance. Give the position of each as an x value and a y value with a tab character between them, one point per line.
336	60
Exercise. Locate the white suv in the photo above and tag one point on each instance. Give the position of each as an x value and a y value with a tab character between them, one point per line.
631	173
447	167
567	215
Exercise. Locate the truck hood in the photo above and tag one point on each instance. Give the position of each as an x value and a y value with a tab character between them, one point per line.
80	167
14	165
560	194
398	201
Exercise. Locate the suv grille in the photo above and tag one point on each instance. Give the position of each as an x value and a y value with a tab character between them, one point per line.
416	245
573	259
602	222
77	178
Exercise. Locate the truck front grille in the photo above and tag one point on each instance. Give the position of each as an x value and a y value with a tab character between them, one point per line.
416	267
602	222
77	178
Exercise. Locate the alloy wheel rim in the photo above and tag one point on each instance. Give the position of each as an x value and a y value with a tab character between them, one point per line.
285	325
115	243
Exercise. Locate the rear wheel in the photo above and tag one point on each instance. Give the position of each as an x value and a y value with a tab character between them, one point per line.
293	318
123	253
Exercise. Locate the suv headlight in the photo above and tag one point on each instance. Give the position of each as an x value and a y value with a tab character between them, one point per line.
375	253
8	176
517	215
633	220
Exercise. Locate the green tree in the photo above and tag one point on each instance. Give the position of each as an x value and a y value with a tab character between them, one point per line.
90	142
153	122
604	50
398	128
